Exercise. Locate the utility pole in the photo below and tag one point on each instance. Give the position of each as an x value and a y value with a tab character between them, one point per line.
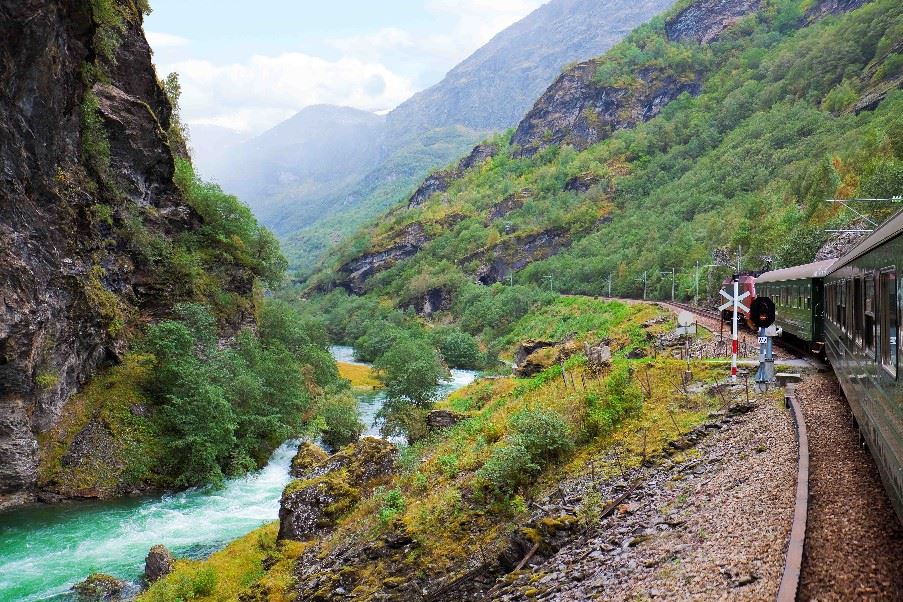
645	280
671	273
549	278
696	297
609	285
739	254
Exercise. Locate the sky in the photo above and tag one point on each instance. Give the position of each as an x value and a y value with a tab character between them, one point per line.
249	65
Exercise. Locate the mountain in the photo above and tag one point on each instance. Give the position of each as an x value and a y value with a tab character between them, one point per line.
487	92
289	172
493	88
722	125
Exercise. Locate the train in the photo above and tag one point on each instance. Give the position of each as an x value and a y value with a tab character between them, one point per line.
849	310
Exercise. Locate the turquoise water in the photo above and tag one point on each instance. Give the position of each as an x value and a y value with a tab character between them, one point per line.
44	550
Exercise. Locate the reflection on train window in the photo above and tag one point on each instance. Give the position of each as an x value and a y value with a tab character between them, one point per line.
808	298
868	335
888	328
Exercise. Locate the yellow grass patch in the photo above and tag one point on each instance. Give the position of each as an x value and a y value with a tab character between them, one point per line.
361	377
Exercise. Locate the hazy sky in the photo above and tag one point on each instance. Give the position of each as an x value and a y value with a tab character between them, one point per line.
248	65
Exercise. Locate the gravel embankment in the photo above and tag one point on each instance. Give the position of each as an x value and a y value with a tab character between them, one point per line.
854	543
712	527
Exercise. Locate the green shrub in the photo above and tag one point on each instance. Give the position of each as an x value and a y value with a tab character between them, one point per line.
47	380
203	582
411	370
459	349
94	141
623	397
543	433
341	420
508	468
392	506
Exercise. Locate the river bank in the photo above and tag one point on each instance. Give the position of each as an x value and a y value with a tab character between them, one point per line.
45	549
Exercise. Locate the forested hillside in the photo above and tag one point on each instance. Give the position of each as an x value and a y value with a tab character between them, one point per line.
311	210
703	131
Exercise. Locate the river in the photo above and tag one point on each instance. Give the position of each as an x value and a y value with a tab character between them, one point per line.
44	550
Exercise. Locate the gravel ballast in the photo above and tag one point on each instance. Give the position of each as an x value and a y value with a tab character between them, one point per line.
854	542
714	526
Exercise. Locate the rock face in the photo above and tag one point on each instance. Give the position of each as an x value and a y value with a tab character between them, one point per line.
577	111
159	563
704	20
441	180
326	489
497	262
72	282
354	274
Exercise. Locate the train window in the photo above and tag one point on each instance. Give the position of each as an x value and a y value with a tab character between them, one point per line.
842	305
857	311
868	335
888	326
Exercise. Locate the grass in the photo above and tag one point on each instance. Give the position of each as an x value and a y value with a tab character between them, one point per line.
361	377
237	570
445	508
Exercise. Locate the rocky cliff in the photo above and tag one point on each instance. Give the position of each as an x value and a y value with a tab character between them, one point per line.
86	194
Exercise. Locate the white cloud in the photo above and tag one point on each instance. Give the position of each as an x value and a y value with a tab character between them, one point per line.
165	40
376	70
470	24
260	92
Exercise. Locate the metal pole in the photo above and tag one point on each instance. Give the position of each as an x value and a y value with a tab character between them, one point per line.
609	284
696	298
645	280
734	342
672	284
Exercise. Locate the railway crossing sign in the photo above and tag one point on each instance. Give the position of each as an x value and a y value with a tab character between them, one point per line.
735	302
731	301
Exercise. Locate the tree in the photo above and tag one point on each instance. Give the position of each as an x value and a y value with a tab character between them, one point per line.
411	370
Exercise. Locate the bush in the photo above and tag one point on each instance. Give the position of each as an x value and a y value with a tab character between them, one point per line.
543	433
536	438
393	505
411	371
459	349
623	398
341	419
508	468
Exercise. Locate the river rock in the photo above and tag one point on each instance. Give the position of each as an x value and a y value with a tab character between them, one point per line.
97	587
159	563
309	455
332	486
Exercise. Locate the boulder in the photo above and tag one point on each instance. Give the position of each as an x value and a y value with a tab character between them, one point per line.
98	587
442	419
159	563
310	507
331	485
308	456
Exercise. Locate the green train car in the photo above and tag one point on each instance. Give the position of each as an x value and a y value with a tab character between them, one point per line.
798	295
863	301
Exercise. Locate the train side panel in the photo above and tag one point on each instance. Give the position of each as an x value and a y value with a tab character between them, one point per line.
863	301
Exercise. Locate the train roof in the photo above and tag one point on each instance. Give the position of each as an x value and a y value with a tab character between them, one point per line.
886	231
817	269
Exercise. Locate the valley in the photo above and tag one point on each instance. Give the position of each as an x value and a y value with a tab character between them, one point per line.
431	351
